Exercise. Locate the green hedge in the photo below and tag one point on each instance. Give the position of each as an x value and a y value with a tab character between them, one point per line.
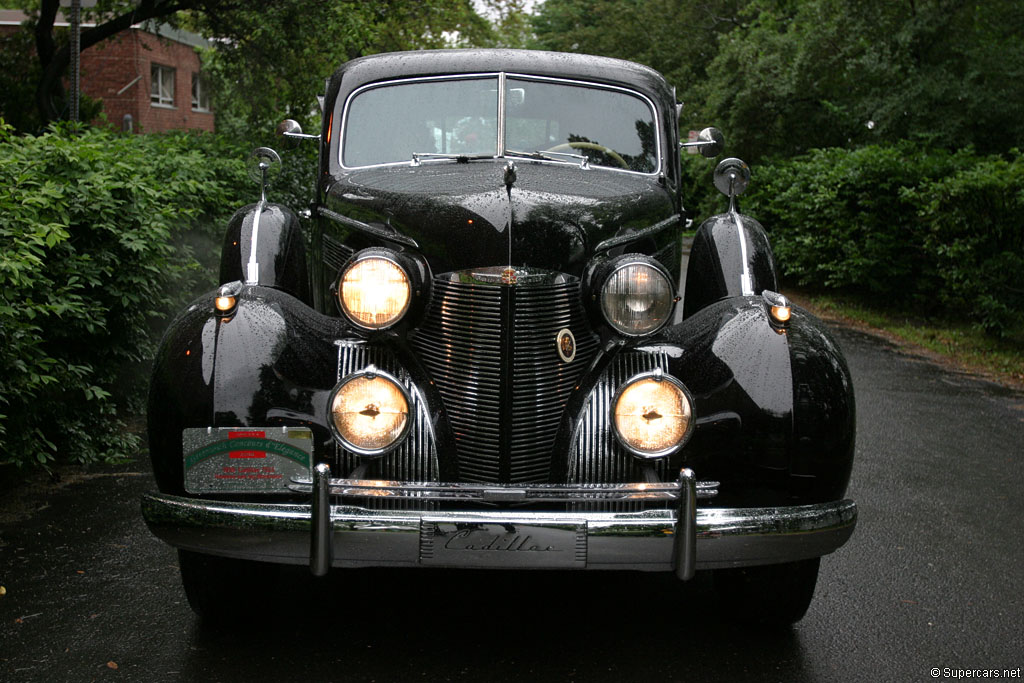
95	235
912	228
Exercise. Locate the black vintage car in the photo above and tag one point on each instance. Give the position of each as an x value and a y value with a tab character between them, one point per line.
485	346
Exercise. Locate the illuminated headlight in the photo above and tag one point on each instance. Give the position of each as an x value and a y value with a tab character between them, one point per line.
374	291
652	415
637	298
370	412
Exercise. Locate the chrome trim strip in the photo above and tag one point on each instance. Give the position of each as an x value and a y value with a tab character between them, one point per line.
510	493
252	276
501	110
746	281
393	236
642	232
723	537
501	77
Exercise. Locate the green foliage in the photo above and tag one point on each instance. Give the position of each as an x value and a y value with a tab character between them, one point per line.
782	77
799	75
511	25
93	228
677	39
18	80
924	229
270	62
976	235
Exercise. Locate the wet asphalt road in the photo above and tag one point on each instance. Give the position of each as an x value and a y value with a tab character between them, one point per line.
933	577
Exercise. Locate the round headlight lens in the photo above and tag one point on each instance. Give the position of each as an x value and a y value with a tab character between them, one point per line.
636	298
374	292
370	412
652	415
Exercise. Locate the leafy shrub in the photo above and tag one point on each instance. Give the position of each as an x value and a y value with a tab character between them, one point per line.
910	227
93	252
976	238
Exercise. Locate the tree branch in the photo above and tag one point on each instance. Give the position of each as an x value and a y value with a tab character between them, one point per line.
54	67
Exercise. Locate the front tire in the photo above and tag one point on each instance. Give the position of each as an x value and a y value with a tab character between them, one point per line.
770	595
222	589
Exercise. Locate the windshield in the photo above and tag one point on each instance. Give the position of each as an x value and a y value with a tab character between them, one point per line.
457	118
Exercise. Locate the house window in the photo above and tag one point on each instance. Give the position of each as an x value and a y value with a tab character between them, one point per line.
161	88
200	93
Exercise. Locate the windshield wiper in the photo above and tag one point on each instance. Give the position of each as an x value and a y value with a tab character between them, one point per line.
551	156
457	158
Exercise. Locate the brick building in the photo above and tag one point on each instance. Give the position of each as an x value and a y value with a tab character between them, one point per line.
150	74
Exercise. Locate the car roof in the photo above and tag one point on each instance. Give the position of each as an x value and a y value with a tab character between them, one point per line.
390	65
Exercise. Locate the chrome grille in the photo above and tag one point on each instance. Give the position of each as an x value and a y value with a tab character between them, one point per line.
595	455
416	458
335	254
491	351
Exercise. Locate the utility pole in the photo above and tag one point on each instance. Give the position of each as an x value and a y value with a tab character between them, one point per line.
76	57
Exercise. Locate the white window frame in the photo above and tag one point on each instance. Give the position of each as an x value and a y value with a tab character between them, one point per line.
200	93
161	82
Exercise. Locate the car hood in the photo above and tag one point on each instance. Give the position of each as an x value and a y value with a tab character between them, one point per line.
464	215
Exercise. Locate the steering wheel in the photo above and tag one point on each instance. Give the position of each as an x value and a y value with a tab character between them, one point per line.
590	145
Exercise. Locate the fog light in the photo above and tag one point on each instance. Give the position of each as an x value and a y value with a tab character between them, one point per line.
370	412
652	415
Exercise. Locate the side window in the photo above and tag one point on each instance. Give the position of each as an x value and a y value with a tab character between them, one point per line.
200	93
161	85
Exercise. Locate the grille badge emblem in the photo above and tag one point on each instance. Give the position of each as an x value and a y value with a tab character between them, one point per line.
566	345
509	276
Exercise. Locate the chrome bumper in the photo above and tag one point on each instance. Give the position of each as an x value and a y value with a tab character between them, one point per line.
682	539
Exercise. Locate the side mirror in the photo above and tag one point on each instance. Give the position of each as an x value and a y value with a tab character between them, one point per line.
710	142
264	166
732	176
290	128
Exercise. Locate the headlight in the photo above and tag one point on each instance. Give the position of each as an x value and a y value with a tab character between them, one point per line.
637	298
652	415
374	291
370	412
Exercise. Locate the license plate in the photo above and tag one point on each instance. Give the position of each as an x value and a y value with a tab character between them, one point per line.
513	545
250	459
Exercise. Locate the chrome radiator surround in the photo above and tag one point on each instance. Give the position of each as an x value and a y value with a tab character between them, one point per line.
681	539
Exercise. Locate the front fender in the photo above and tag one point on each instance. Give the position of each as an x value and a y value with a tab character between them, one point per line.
775	406
731	256
271	362
280	253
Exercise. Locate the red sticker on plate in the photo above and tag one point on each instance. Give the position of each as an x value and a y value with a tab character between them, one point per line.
248	434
